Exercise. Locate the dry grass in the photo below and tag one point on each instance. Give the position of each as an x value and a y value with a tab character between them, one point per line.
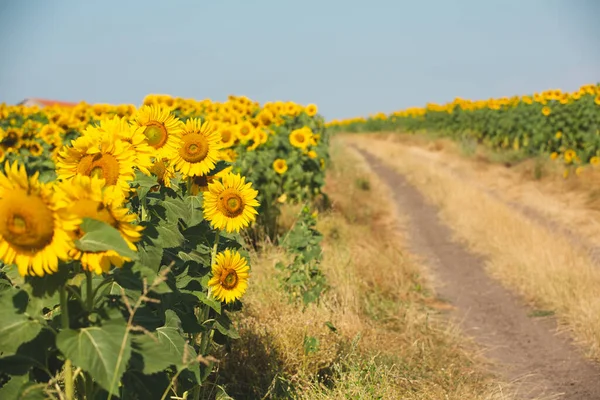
541	264
389	341
536	183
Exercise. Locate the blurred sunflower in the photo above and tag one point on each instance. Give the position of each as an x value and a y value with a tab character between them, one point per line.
245	131
311	110
227	136
90	198
99	155
280	166
161	128
546	110
301	137
120	128
230	203
199	148
34	224
230	273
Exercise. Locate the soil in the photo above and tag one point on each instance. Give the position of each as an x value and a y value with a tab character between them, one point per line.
525	349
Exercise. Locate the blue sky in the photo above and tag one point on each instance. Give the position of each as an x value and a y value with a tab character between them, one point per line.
349	57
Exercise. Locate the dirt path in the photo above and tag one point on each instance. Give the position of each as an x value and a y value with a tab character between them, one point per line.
524	349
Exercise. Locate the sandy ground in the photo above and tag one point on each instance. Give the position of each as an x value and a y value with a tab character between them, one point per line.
524	349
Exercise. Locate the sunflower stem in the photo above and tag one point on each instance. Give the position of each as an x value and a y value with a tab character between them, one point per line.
89	291
64	316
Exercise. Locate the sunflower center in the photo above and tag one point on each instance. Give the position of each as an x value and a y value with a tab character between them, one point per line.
157	134
93	209
194	148
300	138
230	204
100	165
229	279
26	221
225	135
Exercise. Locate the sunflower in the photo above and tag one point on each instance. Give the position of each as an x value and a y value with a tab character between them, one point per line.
230	272
164	171
301	137
546	110
199	150
312	154
595	161
230	203
280	166
311	110
99	155
89	197
120	128
227	136
229	155
161	129
35	226
245	131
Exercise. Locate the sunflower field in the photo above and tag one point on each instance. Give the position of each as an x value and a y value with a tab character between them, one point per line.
125	236
562	125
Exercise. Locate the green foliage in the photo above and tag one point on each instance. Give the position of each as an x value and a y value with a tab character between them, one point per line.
152	320
302	279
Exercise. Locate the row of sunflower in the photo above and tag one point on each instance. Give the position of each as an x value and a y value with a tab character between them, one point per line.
124	235
562	125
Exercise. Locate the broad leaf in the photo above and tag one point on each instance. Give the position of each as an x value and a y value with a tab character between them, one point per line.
166	347
102	351
99	236
175	209
21	388
17	327
168	235
195	210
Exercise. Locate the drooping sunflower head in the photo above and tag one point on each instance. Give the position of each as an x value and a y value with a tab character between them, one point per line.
230	203
164	171
89	197
161	128
199	149
230	273
98	155
35	226
300	138
280	166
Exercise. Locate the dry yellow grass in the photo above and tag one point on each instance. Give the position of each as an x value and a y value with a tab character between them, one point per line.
574	202
389	342
542	265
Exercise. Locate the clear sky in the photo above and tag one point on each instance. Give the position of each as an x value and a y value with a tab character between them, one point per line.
349	57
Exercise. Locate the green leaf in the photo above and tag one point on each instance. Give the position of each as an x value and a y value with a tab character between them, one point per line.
195	210
150	275
21	388
102	351
16	327
166	347
212	303
225	327
99	236
150	256
30	354
311	345
168	235
175	209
